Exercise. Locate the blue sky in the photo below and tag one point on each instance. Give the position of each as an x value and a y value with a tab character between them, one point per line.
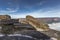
36	8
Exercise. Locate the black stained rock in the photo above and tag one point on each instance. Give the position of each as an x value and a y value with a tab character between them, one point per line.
31	35
15	38
34	34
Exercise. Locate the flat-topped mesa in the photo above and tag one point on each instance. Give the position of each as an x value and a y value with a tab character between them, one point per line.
40	26
5	17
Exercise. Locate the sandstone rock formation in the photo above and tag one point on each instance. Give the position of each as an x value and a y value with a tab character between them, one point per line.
40	26
4	17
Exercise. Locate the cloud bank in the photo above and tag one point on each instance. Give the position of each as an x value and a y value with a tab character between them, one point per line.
36	8
49	12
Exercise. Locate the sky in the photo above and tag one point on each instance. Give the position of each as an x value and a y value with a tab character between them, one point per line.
36	8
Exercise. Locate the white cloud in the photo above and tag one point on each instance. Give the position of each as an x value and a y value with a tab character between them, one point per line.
41	3
38	13
55	26
9	10
47	12
23	15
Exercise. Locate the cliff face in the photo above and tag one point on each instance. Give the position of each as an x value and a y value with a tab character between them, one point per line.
5	17
40	26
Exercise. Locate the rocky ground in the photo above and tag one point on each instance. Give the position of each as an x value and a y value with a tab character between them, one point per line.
32	35
53	33
25	35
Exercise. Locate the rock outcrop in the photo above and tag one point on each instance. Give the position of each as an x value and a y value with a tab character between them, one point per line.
4	17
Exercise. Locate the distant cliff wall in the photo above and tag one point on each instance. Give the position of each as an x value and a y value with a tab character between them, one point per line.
46	19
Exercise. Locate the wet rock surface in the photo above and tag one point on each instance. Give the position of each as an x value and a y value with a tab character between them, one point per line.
26	35
52	33
15	38
34	34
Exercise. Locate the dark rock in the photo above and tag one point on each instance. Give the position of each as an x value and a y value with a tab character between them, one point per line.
34	34
15	38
